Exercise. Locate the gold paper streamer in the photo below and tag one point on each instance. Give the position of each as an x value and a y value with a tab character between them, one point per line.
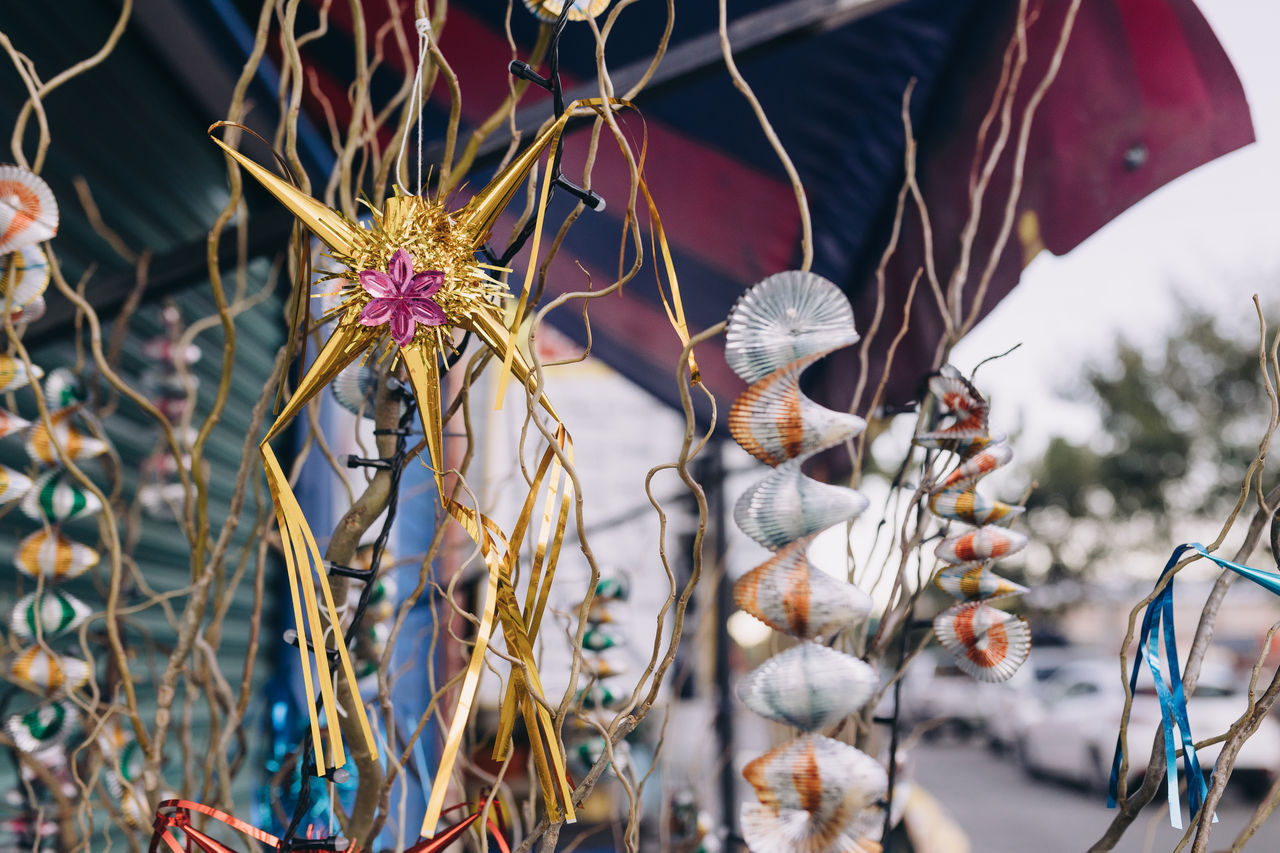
302	555
549	541
674	307
499	601
554	135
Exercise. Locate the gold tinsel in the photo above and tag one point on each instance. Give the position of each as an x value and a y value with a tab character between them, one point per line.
435	242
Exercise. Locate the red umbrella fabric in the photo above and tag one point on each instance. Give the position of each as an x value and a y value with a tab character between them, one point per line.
1145	93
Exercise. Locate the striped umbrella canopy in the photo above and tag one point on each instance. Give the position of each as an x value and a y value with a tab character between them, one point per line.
1144	94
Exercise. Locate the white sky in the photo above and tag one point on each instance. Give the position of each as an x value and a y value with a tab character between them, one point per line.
1211	235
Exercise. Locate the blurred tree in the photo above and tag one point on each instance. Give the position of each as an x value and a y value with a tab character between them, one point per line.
1178	425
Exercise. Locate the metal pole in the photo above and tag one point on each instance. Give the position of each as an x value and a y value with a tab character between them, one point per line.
711	475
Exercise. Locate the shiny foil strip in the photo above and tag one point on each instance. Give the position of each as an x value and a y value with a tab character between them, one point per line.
1158	630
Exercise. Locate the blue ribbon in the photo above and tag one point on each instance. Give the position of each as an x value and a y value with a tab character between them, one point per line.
1173	701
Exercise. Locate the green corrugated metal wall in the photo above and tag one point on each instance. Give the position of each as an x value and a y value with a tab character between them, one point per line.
162	551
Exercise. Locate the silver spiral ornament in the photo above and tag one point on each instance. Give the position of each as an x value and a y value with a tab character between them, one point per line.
811	789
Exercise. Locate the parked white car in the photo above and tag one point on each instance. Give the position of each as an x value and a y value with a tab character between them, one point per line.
944	700
940	698
1073	733
1017	703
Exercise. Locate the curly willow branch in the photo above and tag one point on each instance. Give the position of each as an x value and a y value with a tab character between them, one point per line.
740	82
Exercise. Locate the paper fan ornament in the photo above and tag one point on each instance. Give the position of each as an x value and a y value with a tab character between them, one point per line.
30	312
124	766
975	582
812	788
964	411
62	388
588	752
988	644
977	465
56	497
985	543
355	388
49	553
75	442
13	485
808	687
11	423
43	727
24	276
52	613
970	507
13	373
789	595
613	586
49	671
115	741
787	319
602	694
774	422
606	668
787	505
165	349
597	639
28	211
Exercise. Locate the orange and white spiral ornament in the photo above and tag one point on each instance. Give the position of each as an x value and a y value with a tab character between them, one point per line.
989	644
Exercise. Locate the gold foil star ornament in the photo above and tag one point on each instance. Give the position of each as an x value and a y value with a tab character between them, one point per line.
411	278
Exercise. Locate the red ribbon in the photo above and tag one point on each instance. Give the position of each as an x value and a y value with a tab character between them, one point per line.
176	814
442	840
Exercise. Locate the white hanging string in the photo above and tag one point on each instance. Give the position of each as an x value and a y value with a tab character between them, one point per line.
423	26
